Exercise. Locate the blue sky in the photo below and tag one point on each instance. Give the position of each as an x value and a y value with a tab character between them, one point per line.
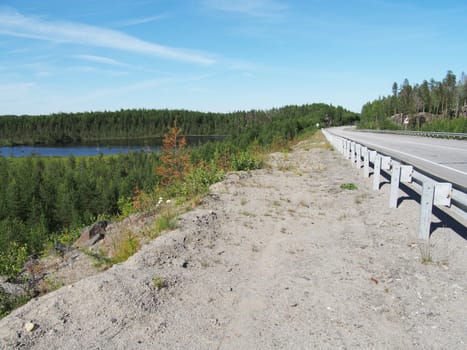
220	55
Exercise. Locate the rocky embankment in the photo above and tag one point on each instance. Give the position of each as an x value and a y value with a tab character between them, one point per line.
277	258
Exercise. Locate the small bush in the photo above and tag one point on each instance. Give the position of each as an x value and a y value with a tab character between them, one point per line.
349	186
246	161
9	302
126	248
12	260
125	206
163	223
198	180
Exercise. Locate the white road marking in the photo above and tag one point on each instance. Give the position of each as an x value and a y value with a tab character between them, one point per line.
419	158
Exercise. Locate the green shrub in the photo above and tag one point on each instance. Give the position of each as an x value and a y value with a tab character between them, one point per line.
246	161
13	259
198	180
126	248
10	302
162	223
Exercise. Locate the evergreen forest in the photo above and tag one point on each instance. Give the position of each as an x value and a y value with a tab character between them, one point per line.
431	105
77	128
48	200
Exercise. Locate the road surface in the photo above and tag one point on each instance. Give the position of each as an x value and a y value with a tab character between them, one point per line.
443	158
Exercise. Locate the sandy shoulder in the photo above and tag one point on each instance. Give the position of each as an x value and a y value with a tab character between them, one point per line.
276	258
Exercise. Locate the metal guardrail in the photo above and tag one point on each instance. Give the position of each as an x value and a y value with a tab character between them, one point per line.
433	193
446	135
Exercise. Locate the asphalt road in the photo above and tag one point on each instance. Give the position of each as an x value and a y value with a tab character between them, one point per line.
443	158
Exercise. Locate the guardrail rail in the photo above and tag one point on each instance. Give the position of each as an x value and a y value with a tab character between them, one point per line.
445	135
432	193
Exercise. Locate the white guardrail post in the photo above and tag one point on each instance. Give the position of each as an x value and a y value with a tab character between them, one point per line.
376	172
432	192
366	162
395	178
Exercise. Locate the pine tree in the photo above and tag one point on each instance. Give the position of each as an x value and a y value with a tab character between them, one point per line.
174	157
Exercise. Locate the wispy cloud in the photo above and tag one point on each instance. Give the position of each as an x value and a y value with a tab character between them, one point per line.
15	24
100	59
137	21
254	8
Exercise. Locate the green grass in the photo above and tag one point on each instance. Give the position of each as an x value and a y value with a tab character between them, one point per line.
8	302
126	248
100	260
163	223
348	186
159	283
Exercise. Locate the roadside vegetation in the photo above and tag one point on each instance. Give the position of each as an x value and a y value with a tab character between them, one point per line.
429	106
48	200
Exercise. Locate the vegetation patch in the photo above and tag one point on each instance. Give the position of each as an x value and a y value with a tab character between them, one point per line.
163	223
125	248
348	186
159	283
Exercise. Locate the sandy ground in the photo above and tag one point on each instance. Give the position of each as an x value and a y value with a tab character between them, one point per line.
278	258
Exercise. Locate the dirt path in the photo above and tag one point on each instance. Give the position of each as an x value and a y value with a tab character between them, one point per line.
280	258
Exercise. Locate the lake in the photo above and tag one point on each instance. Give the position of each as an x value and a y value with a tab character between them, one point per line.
111	148
24	151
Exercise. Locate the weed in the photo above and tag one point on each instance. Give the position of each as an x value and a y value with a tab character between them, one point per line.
163	223
243	201
286	167
100	260
360	199
10	302
425	253
159	283
348	186
126	248
48	285
276	203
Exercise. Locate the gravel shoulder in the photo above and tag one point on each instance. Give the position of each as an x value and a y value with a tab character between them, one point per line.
279	258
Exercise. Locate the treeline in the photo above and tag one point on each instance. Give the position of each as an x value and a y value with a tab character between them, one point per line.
422	104
43	200
75	128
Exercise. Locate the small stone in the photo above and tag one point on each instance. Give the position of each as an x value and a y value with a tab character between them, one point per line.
29	326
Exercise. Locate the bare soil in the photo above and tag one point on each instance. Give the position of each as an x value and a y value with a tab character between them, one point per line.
279	258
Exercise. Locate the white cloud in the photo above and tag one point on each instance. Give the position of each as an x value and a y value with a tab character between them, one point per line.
254	8
136	21
15	24
100	59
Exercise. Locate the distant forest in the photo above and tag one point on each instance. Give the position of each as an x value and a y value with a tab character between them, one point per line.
431	105
75	128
